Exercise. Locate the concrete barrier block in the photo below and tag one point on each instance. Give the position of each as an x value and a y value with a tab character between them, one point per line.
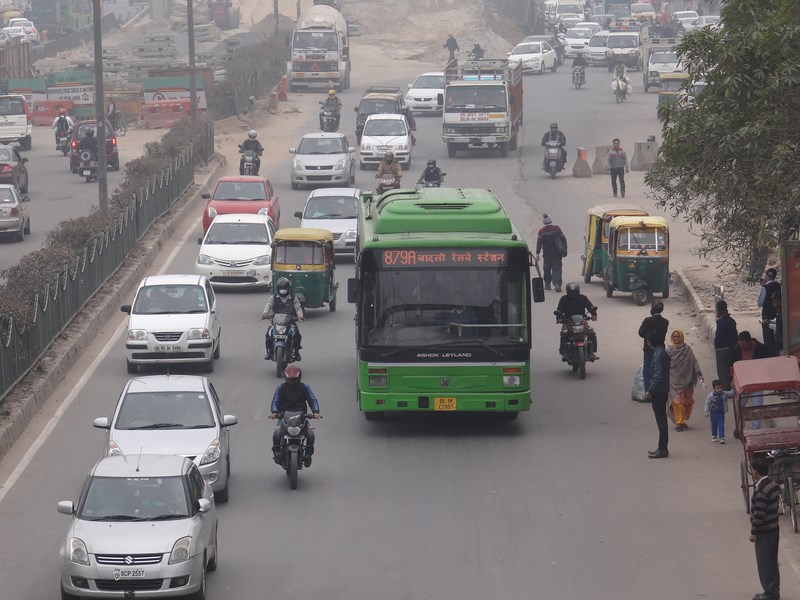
644	155
581	167
599	165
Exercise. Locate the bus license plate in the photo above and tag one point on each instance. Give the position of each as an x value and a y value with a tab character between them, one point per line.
129	574
444	404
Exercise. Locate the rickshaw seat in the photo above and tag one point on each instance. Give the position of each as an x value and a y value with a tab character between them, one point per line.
776	438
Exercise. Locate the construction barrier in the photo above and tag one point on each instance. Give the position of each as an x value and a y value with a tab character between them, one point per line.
163	114
644	155
599	164
581	167
46	111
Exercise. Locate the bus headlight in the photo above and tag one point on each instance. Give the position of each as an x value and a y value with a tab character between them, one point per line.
378	381
510	379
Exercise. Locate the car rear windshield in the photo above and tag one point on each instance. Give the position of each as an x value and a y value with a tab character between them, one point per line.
170	299
6	155
134	499
240	190
371	107
81	130
7	196
12	106
165	410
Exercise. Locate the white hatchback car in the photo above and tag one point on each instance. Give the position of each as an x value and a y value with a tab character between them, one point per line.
536	57
424	94
334	209
236	251
173	319
576	39
384	132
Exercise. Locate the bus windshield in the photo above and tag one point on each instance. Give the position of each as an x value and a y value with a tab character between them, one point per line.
443	306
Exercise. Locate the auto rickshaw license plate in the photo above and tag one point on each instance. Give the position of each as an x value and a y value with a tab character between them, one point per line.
444	404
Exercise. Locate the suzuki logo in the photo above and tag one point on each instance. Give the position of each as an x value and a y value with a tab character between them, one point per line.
128	560
445	382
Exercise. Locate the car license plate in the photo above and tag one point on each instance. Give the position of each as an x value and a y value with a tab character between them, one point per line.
86	172
444	404
167	348
231	273
129	574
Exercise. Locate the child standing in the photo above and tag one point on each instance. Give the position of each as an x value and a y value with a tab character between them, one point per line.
715	408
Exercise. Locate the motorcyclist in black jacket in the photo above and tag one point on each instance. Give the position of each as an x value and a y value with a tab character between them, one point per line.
432	173
89	142
295	396
284	302
251	143
579	60
575	303
556	134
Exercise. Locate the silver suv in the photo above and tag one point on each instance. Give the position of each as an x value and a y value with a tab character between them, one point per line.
144	525
15	120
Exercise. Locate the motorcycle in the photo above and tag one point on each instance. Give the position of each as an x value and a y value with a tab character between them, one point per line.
282	333
578	77
432	184
294	427
328	119
473	55
577	349
249	163
63	142
620	87
553	158
88	166
387	182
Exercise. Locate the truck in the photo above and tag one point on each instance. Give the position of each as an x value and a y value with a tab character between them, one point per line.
482	105
320	53
658	56
224	14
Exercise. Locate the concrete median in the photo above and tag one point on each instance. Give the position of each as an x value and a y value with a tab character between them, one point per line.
581	167
644	155
599	165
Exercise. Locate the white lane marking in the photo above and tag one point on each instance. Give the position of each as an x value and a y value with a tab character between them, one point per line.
37	444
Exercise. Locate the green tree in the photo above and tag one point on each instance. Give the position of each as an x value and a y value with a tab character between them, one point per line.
730	165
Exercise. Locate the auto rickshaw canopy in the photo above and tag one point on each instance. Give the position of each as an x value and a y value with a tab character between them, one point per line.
305	234
766	374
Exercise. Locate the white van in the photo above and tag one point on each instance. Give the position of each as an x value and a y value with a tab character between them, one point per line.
15	121
569	8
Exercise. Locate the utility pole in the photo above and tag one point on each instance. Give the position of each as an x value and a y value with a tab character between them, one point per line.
298	10
277	25
192	68
99	110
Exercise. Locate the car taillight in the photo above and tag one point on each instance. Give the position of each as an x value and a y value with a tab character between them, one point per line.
5	169
74	144
113	141
14	212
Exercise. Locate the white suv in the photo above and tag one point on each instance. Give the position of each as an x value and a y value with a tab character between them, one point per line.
15	121
384	132
173	319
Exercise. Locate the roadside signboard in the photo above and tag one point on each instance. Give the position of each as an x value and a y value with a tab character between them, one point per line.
172	88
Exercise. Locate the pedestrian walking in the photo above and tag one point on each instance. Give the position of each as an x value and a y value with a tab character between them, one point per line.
764	529
452	45
617	164
655	322
749	349
715	407
658	392
553	245
684	373
726	340
769	286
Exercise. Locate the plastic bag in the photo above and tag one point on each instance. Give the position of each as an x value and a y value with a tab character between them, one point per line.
637	392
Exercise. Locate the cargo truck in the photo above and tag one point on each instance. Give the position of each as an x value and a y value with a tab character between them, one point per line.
320	54
482	106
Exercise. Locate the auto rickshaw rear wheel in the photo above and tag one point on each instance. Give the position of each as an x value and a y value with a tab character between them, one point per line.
641	296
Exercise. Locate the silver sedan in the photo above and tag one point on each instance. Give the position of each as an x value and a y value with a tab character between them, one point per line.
14	216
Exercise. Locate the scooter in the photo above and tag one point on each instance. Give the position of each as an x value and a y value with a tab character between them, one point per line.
294	432
63	142
432	184
577	349
282	333
88	166
553	158
249	162
578	77
328	119
387	182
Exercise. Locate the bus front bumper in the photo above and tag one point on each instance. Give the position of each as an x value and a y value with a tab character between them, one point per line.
441	401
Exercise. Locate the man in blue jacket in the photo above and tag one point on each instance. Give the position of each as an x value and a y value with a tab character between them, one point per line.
658	390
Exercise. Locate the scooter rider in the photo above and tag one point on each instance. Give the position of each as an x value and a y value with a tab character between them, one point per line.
295	396
89	142
389	166
575	303
579	60
332	103
283	302
477	53
557	135
251	143
431	174
62	124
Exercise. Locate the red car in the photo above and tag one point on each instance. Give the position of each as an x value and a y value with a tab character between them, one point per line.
242	194
79	132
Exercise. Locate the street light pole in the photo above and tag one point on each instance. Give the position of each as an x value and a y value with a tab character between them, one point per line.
275	9
192	68
99	110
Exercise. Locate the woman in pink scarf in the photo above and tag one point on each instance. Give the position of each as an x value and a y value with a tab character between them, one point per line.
684	373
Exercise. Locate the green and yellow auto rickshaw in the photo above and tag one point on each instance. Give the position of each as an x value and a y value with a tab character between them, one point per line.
671	86
638	257
306	258
595	239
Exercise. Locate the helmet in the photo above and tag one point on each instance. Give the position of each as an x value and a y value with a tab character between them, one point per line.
252	134
389	154
553	125
292	374
331	92
282	283
62	112
657	307
573	289
90	132
432	163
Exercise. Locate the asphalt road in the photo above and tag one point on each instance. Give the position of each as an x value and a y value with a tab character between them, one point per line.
563	503
56	194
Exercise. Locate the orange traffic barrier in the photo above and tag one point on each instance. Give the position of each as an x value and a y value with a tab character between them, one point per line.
282	89
46	111
272	101
582	153
165	113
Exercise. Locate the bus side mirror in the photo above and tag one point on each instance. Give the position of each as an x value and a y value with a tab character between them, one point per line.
537	283
352	290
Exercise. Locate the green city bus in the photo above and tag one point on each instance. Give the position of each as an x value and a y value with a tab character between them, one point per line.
443	304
